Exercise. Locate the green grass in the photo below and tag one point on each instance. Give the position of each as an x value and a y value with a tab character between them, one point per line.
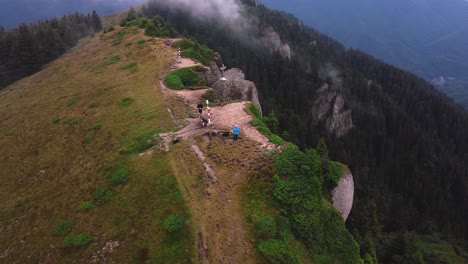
56	120
117	42
77	240
141	41
71	121
275	140
63	227
85	206
102	196
73	100
126	102
181	78
129	66
71	172
120	176
96	127
195	51
113	60
11	132
88	138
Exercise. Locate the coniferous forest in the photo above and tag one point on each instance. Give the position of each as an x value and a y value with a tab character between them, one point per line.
24	50
408	146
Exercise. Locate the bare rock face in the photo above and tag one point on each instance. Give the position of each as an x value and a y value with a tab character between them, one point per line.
234	88
330	106
273	41
343	195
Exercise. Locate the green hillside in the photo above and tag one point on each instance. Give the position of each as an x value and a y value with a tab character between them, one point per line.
71	176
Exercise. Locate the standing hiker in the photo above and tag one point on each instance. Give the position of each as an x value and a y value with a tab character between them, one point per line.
235	132
200	109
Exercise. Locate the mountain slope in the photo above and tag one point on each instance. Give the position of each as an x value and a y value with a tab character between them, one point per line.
404	135
67	128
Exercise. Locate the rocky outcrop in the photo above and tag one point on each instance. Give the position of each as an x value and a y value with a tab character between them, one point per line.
235	87
330	106
343	194
273	41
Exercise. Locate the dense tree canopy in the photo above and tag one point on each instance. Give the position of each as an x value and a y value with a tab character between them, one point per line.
26	49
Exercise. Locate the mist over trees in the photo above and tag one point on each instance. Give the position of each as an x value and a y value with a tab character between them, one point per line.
24	50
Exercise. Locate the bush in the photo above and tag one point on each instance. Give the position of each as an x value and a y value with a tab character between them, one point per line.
77	240
85	206
173	223
73	100
102	196
129	66
96	127
141	41
272	122
209	95
257	122
113	60
121	176
62	228
275	140
266	227
195	51
276	252
264	130
126	102
173	82
181	78
56	120
88	138
255	111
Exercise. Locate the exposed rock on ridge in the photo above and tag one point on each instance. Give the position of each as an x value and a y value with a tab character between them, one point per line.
234	88
330	106
343	194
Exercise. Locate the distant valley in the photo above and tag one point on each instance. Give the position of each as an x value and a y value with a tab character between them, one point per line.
426	37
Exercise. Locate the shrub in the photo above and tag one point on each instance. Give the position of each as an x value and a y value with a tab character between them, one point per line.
195	51
173	223
209	95
62	228
141	42
116	42
276	252
71	121
113	60
121	176
264	130
255	111
266	227
56	120
73	100
85	206
257	122
20	202
272	122
129	66
77	240
96	127
109	29
102	196
181	78
126	102
275	139
88	138
173	82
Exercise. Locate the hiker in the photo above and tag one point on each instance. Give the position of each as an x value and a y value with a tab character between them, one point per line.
200	108
235	132
204	122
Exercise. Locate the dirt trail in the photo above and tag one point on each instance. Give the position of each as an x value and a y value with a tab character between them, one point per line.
211	170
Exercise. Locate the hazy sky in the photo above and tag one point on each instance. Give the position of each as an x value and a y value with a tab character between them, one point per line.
14	12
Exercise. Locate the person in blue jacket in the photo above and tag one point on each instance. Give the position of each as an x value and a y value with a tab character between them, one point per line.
235	132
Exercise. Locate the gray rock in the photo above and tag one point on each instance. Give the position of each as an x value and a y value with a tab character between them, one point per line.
330	106
343	195
234	88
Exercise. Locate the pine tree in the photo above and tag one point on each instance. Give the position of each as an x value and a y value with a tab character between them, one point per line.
322	151
96	22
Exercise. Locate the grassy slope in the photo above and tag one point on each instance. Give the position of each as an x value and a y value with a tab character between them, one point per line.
47	170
